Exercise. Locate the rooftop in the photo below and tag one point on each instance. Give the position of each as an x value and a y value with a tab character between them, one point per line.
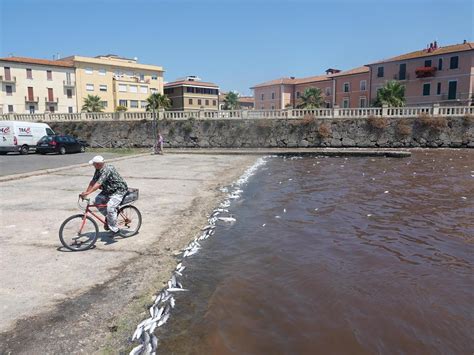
427	52
46	62
191	83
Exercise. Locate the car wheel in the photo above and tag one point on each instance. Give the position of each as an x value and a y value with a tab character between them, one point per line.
24	149
62	150
83	149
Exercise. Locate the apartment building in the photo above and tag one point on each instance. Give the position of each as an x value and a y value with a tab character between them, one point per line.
443	75
436	74
116	80
343	88
30	85
192	94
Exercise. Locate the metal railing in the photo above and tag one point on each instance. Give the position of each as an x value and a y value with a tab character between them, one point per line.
320	113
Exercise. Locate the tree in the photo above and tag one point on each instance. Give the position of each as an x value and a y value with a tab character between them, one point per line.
392	94
311	98
121	108
92	103
158	101
231	101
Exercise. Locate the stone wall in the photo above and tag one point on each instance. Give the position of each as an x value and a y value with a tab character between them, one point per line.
422	131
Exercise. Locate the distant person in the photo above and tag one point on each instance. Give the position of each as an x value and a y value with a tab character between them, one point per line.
113	188
160	144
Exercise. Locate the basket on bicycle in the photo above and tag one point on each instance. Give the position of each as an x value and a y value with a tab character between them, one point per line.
130	196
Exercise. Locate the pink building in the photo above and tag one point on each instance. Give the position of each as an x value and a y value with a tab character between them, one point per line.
443	75
344	88
436	74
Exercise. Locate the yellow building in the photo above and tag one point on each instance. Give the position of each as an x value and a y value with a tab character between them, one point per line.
117	81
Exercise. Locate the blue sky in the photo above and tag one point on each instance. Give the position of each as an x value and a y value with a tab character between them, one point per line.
235	44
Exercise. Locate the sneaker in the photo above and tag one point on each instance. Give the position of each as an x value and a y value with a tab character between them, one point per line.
116	233
106	227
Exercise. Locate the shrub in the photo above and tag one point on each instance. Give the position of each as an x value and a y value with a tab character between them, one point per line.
377	123
434	123
468	120
187	128
404	128
324	130
308	120
171	132
121	109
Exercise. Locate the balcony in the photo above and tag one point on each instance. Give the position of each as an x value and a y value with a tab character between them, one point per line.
69	83
32	99
133	79
425	72
51	101
8	80
397	77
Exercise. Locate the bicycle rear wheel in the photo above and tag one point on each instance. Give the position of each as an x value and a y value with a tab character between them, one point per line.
78	233
129	220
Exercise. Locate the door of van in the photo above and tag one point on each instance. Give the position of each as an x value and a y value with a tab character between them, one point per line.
6	135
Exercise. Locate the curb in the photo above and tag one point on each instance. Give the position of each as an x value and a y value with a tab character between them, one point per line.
54	170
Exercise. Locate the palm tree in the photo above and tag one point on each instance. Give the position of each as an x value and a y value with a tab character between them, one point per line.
392	94
311	98
158	101
231	101
92	103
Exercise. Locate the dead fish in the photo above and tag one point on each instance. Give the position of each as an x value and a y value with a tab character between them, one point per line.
172	302
227	219
138	333
163	320
137	350
175	289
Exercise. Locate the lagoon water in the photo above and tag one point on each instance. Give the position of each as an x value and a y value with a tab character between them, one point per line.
337	256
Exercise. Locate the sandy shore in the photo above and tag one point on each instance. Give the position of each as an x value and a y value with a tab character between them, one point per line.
90	302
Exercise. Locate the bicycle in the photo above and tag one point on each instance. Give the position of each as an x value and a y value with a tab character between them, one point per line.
80	231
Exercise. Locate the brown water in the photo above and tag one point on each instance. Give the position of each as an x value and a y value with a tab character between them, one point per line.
348	269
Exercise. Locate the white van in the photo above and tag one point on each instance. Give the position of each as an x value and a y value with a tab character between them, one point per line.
20	136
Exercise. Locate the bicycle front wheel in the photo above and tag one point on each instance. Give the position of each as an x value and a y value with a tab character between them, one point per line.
129	220
78	232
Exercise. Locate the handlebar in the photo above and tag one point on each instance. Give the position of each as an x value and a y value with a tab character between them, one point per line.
79	199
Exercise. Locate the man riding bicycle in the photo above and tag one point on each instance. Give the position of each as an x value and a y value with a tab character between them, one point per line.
113	188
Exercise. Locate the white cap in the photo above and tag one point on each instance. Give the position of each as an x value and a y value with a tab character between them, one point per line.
97	159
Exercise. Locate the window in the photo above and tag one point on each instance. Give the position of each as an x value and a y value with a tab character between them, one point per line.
50	95
297	94
273	96
328	91
402	71
122	88
134	103
29	74
129	74
90	87
438	89
154	77
426	89
199	102
104	104
380	72
190	101
169	90
144	89
89	71
452	87
363	85
262	108
189	89
32	109
262	97
428	63
362	101
273	107
345	87
345	103
8	75
70	109
10	108
207	102
440	64
123	103
69	93
133	88
9	90
214	103
51	109
454	62
153	90
142	76
143	104
49	75
30	93
102	72
103	87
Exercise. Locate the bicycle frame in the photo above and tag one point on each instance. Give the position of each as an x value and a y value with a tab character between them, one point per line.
99	217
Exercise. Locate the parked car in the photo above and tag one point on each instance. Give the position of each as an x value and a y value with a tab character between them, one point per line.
61	144
21	136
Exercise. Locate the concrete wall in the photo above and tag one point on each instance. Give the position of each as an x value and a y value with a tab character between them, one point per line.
424	131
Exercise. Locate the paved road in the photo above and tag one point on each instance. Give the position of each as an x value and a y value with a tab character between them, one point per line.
16	164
